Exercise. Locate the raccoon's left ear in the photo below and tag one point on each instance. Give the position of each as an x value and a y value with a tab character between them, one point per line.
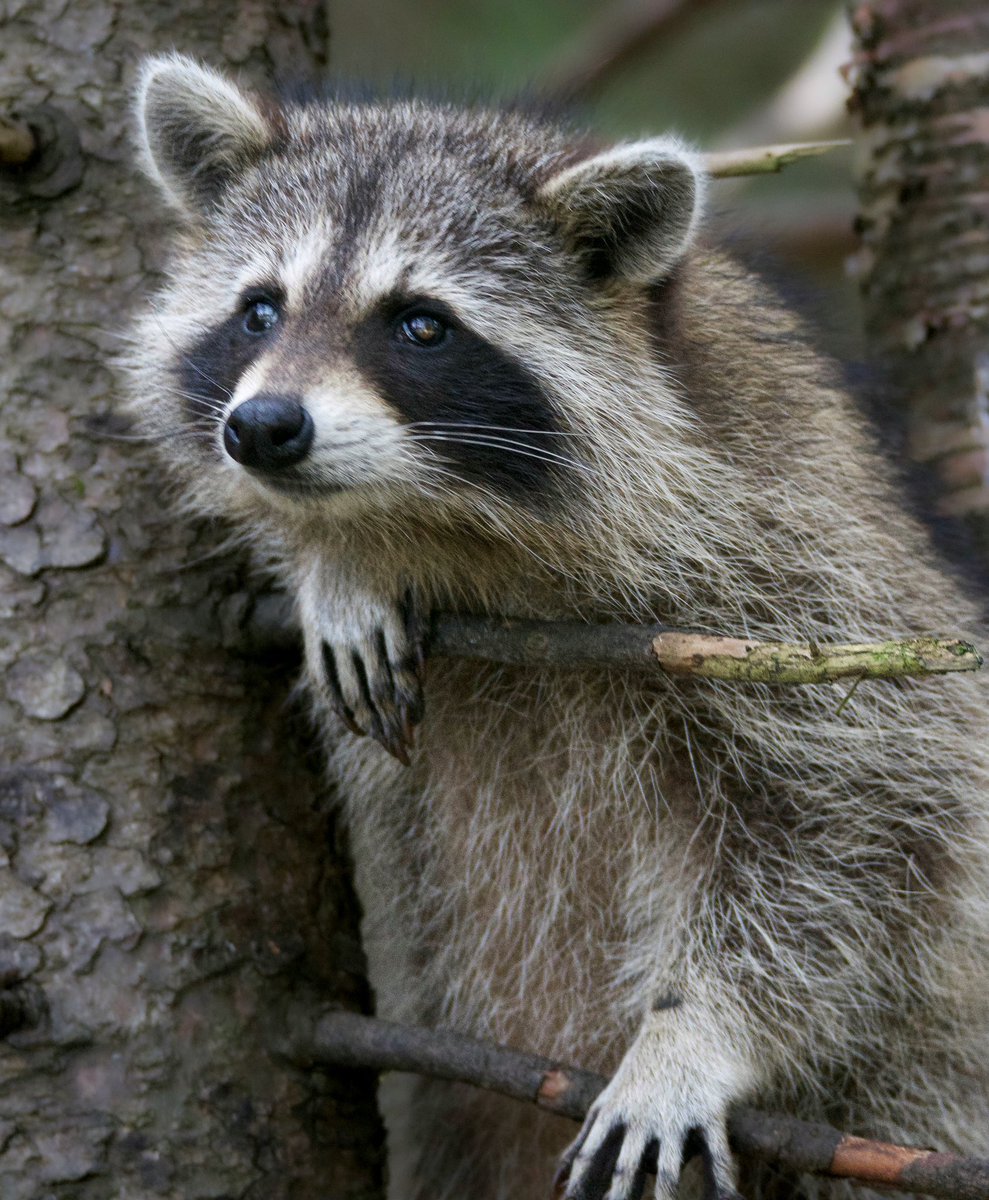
630	212
197	130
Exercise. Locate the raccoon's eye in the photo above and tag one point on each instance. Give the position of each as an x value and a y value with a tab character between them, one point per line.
260	316
423	329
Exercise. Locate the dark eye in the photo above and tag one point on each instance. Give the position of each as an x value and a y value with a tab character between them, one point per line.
423	329
260	316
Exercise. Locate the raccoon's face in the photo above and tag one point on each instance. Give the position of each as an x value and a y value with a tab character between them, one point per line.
381	304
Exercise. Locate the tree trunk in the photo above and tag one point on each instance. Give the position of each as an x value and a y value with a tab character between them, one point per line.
169	877
921	94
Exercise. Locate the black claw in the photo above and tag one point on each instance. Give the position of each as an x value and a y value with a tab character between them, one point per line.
697	1144
381	648
405	698
416	707
406	729
340	706
693	1144
383	688
596	1180
571	1152
415	630
646	1167
375	728
393	743
351	724
383	728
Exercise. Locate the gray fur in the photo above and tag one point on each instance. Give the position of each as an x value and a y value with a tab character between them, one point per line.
570	849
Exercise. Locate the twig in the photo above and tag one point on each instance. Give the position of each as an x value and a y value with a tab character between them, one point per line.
679	652
17	143
618	36
343	1039
763	160
745	661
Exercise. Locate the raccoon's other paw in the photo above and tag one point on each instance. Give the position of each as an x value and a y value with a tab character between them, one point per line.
663	1106
368	661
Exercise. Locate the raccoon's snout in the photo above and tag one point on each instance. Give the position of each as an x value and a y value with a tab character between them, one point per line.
268	433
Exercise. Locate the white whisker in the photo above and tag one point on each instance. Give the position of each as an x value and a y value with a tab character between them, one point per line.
511	447
444	425
187	360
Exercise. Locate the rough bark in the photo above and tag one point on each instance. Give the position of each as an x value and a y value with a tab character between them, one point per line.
921	95
169	874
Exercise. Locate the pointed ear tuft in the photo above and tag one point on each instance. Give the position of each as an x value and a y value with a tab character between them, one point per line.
197	130
630	212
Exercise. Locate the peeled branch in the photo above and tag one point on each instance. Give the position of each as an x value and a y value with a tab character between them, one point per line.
681	652
764	160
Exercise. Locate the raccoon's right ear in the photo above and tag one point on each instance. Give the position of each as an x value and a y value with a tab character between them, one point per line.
197	130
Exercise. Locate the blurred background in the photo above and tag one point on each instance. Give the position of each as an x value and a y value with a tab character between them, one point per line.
724	73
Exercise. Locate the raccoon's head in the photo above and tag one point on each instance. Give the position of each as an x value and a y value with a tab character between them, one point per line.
396	304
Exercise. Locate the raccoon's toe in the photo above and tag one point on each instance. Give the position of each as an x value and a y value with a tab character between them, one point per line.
613	1161
375	682
667	1103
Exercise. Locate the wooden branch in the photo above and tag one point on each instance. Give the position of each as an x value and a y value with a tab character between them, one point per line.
745	661
763	160
345	1039
680	652
17	143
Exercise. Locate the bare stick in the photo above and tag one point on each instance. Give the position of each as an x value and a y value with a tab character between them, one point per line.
17	143
763	160
680	652
746	661
344	1039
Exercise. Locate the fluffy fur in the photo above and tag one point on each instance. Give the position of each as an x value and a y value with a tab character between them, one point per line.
722	893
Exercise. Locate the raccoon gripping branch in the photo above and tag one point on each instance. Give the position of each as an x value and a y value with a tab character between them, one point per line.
680	652
345	1039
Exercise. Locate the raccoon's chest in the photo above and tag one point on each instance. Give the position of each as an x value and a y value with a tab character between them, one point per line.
514	859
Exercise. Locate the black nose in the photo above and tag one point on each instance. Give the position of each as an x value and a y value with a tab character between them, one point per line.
268	432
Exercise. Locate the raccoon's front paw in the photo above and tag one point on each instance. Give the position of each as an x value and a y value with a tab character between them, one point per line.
369	664
656	1113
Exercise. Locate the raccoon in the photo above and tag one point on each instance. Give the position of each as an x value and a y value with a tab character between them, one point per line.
429	357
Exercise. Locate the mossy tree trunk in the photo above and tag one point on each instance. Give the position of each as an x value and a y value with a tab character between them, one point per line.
170	879
921	95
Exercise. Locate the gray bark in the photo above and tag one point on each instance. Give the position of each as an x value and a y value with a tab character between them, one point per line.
169	872
920	93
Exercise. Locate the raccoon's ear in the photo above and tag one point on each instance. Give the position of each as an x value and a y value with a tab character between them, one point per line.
197	130
630	212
